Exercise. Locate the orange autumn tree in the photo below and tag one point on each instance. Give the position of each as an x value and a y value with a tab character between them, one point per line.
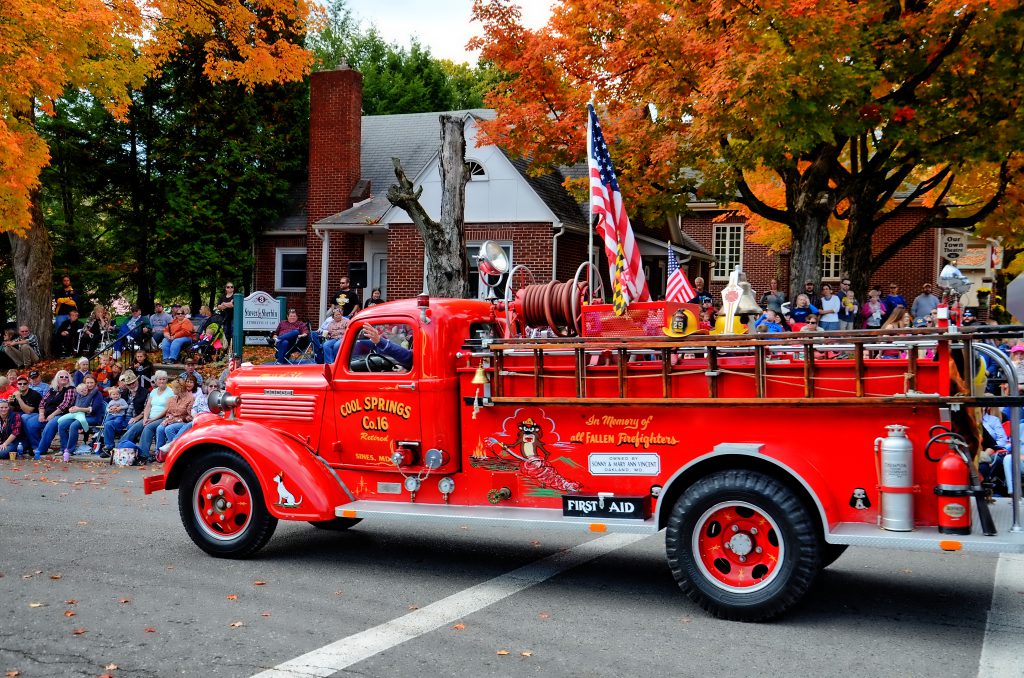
839	101
107	47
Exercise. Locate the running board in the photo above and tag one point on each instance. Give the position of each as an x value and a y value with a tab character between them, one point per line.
510	516
930	539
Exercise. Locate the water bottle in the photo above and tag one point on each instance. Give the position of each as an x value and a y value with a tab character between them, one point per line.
21	450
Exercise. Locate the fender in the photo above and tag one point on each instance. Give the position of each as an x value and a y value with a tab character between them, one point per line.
807	476
316	489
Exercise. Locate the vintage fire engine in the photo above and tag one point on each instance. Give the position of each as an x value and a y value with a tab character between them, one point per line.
763	456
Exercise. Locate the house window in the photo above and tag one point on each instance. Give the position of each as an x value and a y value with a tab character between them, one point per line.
476	290
728	249
476	171
290	269
831	265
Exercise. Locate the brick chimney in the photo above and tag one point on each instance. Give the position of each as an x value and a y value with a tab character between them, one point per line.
335	135
335	117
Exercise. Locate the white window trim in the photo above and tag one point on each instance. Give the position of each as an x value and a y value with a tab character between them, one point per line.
743	235
279	252
838	269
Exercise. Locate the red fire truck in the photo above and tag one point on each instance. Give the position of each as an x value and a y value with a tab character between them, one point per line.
763	456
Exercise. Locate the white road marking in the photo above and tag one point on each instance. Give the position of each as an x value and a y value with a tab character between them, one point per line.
1002	652
332	658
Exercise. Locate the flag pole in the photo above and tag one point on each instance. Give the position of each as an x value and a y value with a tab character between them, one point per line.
590	213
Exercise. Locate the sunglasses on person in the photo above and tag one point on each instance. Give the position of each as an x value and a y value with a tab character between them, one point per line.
229	287
22	383
63	377
812	322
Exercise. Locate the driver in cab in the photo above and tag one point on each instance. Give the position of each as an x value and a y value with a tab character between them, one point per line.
381	345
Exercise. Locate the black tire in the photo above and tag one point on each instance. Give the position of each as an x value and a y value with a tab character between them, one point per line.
335	524
830	553
751	574
237	529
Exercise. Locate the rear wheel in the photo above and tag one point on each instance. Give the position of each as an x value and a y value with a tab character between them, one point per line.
742	545
222	507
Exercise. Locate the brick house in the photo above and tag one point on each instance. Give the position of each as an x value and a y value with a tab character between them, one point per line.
346	217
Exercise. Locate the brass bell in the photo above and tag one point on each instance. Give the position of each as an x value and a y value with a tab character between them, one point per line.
481	376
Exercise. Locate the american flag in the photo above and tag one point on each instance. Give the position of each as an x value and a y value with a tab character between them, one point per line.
678	287
612	221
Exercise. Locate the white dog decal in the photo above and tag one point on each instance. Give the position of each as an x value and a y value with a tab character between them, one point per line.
285	498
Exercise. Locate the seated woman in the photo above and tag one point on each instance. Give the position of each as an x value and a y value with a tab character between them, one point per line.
56	404
179	334
179	411
11	431
87	411
200	405
333	334
134	332
97	327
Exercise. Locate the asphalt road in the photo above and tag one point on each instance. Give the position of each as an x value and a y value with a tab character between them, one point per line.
93	573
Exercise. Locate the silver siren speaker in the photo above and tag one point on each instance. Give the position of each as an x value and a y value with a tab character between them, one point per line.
491	260
221	401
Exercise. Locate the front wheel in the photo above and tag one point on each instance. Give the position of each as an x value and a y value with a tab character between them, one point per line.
742	545
222	507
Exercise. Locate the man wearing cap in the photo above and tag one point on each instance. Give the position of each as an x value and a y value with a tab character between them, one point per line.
135	396
36	383
924	303
968	317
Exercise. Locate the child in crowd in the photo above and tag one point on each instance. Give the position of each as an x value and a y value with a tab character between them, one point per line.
848	313
117	414
81	371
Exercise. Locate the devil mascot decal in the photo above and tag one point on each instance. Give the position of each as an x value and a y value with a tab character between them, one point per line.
533	456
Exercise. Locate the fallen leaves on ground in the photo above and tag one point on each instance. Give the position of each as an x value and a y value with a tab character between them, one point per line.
259	583
34	605
56	576
13	674
502	653
150	629
110	667
459	627
527	653
124	601
544	615
413	606
78	632
264	614
69	613
236	624
232	596
71	601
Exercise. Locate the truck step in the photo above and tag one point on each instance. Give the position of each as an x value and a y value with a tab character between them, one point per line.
930	539
511	516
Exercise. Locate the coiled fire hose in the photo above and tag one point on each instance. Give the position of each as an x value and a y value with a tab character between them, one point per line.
554	304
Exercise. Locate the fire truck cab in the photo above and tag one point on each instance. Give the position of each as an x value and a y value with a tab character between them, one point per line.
763	456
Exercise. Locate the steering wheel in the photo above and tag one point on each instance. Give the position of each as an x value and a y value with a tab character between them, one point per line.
375	362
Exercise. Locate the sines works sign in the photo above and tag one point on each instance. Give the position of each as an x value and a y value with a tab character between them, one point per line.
260	313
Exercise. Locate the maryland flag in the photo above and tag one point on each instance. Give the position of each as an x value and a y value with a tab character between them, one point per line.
620	299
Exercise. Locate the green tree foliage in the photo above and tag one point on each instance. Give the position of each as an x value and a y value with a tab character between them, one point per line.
396	79
167	205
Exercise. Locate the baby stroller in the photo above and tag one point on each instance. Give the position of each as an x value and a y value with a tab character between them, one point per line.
211	344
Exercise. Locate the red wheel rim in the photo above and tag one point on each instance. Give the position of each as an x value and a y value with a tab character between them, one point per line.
738	547
223	504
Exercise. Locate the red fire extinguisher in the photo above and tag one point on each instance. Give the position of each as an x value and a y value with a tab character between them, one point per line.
942	313
956	484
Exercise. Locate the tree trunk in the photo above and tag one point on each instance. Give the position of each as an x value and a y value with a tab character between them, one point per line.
444	242
810	234
858	256
32	258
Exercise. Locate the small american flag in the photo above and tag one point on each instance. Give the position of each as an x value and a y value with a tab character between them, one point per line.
678	287
612	221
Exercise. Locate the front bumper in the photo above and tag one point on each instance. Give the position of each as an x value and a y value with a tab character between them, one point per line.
151	484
